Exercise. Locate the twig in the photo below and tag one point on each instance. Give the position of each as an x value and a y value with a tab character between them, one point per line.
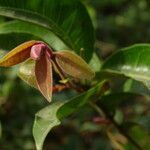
96	108
63	76
102	112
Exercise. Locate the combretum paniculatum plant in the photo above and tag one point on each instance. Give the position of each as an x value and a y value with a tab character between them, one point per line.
43	59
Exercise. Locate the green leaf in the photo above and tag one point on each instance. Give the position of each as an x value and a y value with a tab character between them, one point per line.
43	34
135	87
67	20
132	62
2	53
50	116
140	135
45	120
95	63
120	83
33	18
145	122
0	130
9	41
27	72
111	101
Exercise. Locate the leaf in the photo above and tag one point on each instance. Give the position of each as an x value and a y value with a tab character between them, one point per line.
135	87
73	65
132	62
14	39
43	73
144	121
17	55
118	141
45	120
67	20
111	101
120	83
0	130
31	17
140	135
43	34
95	63
27	72
50	116
2	53
78	102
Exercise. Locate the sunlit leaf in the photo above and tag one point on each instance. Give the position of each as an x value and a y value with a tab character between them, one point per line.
41	33
132	61
17	55
43	73
73	65
27	72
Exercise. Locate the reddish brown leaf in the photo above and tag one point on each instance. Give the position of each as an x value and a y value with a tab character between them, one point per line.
73	65
57	70
43	73
17	55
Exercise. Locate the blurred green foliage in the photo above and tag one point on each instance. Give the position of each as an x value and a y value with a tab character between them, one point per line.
117	23
122	22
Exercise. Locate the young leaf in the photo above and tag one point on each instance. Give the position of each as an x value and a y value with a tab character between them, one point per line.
27	72
73	65
57	70
17	55
43	73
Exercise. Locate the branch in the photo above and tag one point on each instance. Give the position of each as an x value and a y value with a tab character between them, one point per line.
102	112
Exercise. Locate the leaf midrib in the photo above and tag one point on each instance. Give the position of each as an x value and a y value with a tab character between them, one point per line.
128	74
44	22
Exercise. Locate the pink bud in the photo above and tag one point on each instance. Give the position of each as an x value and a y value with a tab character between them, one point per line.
38	50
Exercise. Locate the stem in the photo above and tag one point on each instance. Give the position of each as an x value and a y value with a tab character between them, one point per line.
63	76
96	108
102	112
58	69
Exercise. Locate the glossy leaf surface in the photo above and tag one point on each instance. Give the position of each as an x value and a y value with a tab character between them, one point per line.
14	39
73	65
17	55
132	61
41	33
67	20
50	116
